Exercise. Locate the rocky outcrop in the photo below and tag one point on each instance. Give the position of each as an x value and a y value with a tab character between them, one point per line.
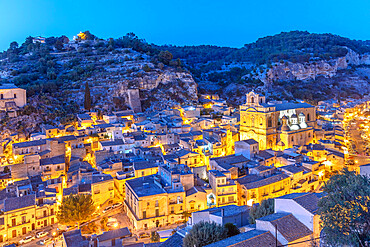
312	69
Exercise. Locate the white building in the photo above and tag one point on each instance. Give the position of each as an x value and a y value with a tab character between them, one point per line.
12	97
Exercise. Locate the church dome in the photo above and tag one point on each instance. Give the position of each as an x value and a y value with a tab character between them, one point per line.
302	120
294	127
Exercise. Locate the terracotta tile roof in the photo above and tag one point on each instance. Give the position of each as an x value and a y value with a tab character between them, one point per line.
287	225
248	239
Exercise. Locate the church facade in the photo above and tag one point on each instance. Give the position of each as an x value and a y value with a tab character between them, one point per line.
276	125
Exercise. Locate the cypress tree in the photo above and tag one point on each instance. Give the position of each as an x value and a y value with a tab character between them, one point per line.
87	103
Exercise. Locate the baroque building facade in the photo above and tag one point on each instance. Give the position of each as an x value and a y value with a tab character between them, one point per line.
276	126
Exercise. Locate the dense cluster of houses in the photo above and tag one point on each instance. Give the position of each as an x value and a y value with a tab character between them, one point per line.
164	165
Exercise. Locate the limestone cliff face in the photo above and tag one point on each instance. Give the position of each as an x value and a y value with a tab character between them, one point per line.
151	80
163	88
312	69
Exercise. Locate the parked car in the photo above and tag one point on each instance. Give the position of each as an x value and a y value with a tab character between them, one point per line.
116	205
41	234
107	209
26	240
46	241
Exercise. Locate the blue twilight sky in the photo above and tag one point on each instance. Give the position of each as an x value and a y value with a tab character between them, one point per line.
188	22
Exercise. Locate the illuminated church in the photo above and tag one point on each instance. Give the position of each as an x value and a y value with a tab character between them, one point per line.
276	125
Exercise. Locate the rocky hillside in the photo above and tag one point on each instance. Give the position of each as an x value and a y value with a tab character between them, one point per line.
293	65
55	74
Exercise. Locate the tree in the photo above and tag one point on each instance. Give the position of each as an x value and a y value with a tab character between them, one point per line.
165	57
103	223
186	215
13	46
87	103
76	209
154	237
344	210
204	233
146	68
59	45
232	229
6	169
266	207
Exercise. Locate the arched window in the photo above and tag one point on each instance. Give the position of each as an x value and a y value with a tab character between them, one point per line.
270	144
292	139
269	122
309	135
261	101
261	121
252	99
308	117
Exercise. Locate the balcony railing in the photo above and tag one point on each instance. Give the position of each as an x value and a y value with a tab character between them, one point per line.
19	224
277	191
176	202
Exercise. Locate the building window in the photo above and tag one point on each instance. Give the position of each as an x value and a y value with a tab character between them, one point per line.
269	122
308	117
2	96
156	203
15	96
157	212
144	214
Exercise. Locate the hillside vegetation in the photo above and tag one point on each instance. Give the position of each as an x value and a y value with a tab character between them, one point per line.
55	73
233	71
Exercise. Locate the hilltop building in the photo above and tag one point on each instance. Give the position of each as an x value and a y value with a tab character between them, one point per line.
11	97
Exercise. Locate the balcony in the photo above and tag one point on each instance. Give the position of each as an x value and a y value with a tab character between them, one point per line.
43	216
20	223
279	190
175	202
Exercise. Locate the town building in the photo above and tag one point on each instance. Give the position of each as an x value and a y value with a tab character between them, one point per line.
12	97
276	125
